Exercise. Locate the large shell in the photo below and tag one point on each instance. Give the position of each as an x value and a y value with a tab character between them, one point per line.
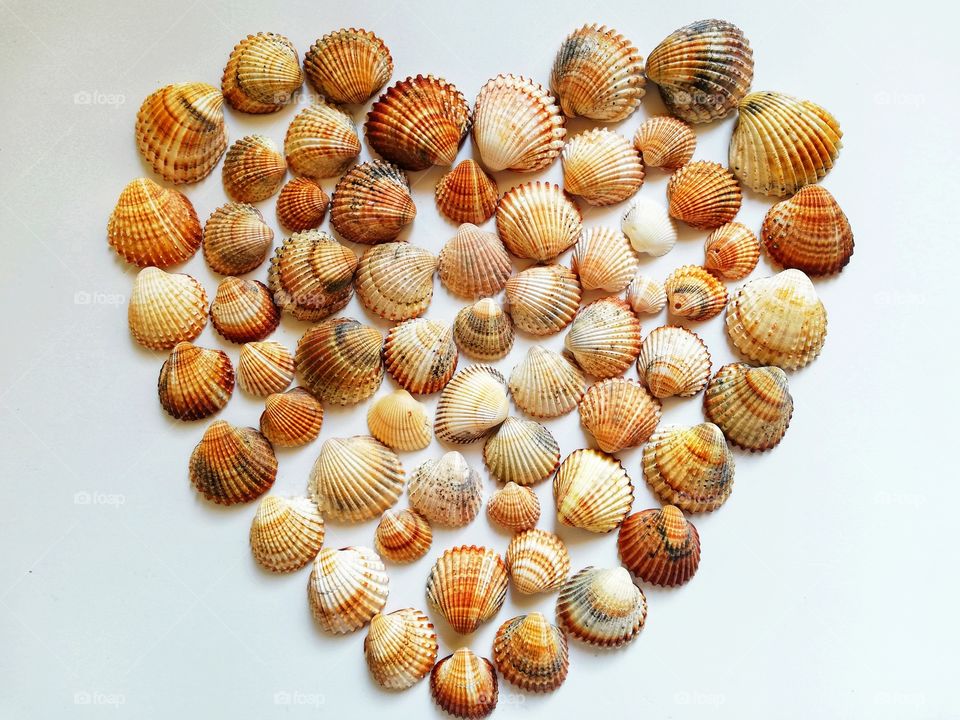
400	648
731	251
660	546
521	451
253	169
483	330
703	70
645	296
603	259
601	167
673	361
236	240
690	467
302	204
537	561
321	142
347	587
153	226
538	221
471	405
752	406
543	299
286	533
602	606
292	418
778	320
232	465
165	309
467	194
619	413
355	479
514	507
809	232
474	263
704	195
340	360
311	275
402	537
592	491
694	294
665	142
531	653
264	368
195	382
243	310
421	355
464	685
446	491
262	74
781	143
419	122
395	280
649	228
546	384
372	203
604	338
400	421
348	65
467	585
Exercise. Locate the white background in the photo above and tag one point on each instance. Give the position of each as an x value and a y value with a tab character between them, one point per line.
828	585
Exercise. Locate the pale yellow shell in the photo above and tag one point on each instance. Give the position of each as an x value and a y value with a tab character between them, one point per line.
471	405
531	653
292	418
421	355
467	194
751	405
604	259
694	294
311	275
395	280
347	587
321	142
253	169
372	203
601	167
538	221
474	263
402	537
286	533
604	338
731	251
232	465
243	310
165	309
543	299
262	74
399	421
195	382
665	142
153	226
619	413
236	240
592	491
264	368
348	65
339	360
673	361
537	561
704	195
467	585
602	606
355	479
690	467
446	491
645	295
521	451
648	226
546	384
464	685
400	648
483	331
514	507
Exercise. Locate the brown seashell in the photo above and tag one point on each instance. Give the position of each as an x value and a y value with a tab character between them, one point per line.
464	685
704	195
660	546
543	299
286	533
153	226
645	295
694	294
673	361
690	467
467	194
420	355
262	74
195	382
602	606
537	561
399	421
264	368
372	203
731	251
347	588
521	451
165	309
400	648
355	479
604	259
514	507
236	240
601	167
348	65
619	413
446	491
483	331
538	221
546	384
395	280
752	406
809	232
302	205
402	537
311	275
340	361
531	653
604	338
471	405
592	491
665	142
292	418
232	465
467	585
243	310
474	263
253	169
321	142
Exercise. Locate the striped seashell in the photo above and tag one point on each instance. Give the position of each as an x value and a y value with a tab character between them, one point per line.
538	221
601	167
694	294
471	406
232	465
311	275
464	685
403	536
153	226
660	546
604	338
195	382
395	280
546	384
286	533
253	169
645	296
400	648
543	299
243	310
236	240
165	309
264	368
731	251
302	205
752	406
602	607
704	195
673	361
262	74
347	588
446	491
292	418
808	232
604	259
467	194
421	355
467	585
592	491
537	561
649	228
339	361
372	203
321	142
531	653
355	479
483	331
690	467
514	507
665	142
474	263
521	451
400	421
619	413
348	65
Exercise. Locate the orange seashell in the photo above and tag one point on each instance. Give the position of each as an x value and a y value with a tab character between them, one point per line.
537	561
592	491
286	533
264	368
302	204
694	294
372	203
673	361
809	232
601	167
546	384
752	406
262	74
474	263
732	251
165	309
340	361
690	467
400	648
399	421
660	546
521	451
321	142
467	194
347	588
604	259
232	465
665	142
153	226
619	413
195	382
420	355
467	585
645	295
471	406
602	607
531	653
538	221
395	280
355	479
604	338
348	65
292	418
704	195
243	310
543	299
253	169
483	331
514	507
464	685
311	275
402	537
236	240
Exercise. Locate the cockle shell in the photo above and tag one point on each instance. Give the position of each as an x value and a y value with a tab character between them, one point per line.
446	491
660	546
602	606
464	685
243	310
286	533
538	221
372	203
395	280
546	384
165	309
673	361
236	240
521	451
809	232
603	259
419	122
400	421
514	507
467	585
694	294
180	131
471	405
400	648
195	382
348	65
467	194
253	169
592	491
347	587
474	263
421	355
302	204
340	360
665	142
619	413
262	74
537	561
311	275
483	330
601	167
264	368
690	467
731	251
704	195
531	653
232	465
752	406
703	70
402	537
292	418
645	296
604	338
649	228
321	142
543	299
781	143
153	226
355	479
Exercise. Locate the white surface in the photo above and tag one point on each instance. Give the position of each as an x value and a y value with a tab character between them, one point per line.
828	583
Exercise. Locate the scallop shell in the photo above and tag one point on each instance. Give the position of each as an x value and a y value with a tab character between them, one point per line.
446	491
538	221
649	228
232	465
778	320
483	331
604	338
602	606
467	585
195	382
665	142
419	122
311	275
347	588
262	74
531	653
243	310
601	167
153	226
521	451
302	205
694	294
464	685
253	169
467	194
603	259
703	70
809	232
372	203
781	143
592	491
619	413
474	263
400	648
400	421
420	355
673	361
292	418
690	467
645	296
471	405
264	368
286	533
537	561
180	131
236	240
731	251
355	479
348	65
165	309
752	406
704	195
395	280
321	142
660	546
514	507
546	384
543	299
340	361
402	537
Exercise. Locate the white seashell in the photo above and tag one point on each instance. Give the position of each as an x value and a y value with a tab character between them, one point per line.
649	227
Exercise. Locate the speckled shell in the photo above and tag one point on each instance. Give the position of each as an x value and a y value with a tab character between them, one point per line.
153	226
546	384
195	382
604	259
809	232
302	205
165	309
694	294
467	585
311	275
286	533
372	203
471	405
464	685
321	142
592	491
690	467
347	587
619	413
645	296
421	355
602	607
704	195
665	142
467	194
348	65
262	74
395	280
446	491
531	653
673	361
400	421
514	507
543	299
232	465
264	368
660	546
537	561
474	263
400	648
253	169
604	338
402	537
292	418
355	479
601	167
521	451
538	221
243	310
483	331
340	361
649	228
731	251
236	240
752	406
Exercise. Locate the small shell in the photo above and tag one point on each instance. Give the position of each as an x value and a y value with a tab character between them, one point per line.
601	167
809	232
347	587
665	142
471	405
467	194
603	259
263	74
292	418
321	142
474	263
372	203
355	479
467	585
649	228
694	294
419	122
348	65
399	421
153	226
195	382
286	533
446	491
602	606
232	465
302	205
604	338
521	451
395	280
645	295
264	368
464	685
660	546
731	251
752	406
531	653
402	537
546	384
619	413
420	355
253	169
400	648
514	507
537	561
690	467
483	331
340	361
592	491
543	299
704	195
243	310
165	309
538	221
311	275
236	240
673	361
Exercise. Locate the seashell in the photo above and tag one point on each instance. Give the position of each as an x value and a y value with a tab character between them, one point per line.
546	384
286	533
731	251
446	491
264	368
420	355
704	195
471	405
292	418
778	320
673	361
399	421
703	70
517	125
236	240
467	585
348	66
598	74
243	310
180	131
253	169
232	465
752	406
419	122
355	479
543	299
195	382
467	194
165	309
531	653
538	221
690	467
648	227
601	167
395	280
521	451
464	685
660	546
592	491
302	205
514	507
402	537
340	361
808	232
645	295
603	259
665	142
694	294
347	588
619	413
400	648
262	74
311	275
781	143
602	606
474	263
372	203
604	338
321	142
483	331
537	561
153	226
